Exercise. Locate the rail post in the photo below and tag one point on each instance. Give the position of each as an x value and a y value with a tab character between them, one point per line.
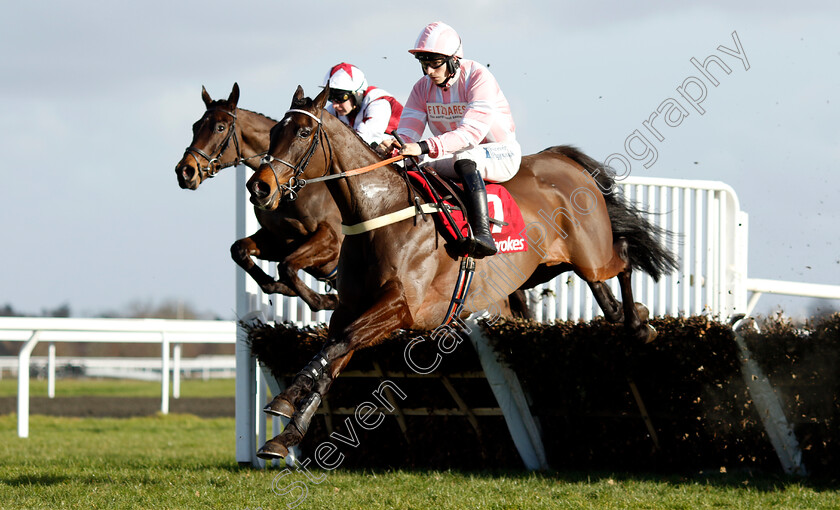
23	383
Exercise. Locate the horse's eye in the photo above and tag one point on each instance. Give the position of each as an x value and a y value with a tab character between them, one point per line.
304	133
220	128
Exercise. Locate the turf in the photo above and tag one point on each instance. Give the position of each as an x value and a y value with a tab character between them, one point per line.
120	388
181	461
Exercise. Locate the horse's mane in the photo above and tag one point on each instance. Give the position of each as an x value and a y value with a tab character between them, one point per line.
219	103
306	102
260	114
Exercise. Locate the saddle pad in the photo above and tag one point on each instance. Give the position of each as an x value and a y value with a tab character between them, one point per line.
502	207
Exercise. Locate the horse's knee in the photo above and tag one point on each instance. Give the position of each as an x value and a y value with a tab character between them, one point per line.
241	249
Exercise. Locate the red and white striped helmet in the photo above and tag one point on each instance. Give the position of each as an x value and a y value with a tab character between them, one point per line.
438	37
347	77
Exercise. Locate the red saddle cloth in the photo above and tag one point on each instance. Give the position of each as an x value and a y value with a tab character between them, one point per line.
502	207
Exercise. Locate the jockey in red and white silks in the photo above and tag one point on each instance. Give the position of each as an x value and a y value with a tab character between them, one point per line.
370	111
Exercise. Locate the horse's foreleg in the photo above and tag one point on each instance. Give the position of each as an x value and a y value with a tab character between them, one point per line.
608	303
259	245
321	249
635	314
278	446
389	313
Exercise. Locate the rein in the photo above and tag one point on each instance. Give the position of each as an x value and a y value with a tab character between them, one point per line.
357	171
211	170
296	183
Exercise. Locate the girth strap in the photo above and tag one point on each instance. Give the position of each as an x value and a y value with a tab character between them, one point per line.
394	217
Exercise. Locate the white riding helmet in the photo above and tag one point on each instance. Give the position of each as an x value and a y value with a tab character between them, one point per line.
347	77
438	37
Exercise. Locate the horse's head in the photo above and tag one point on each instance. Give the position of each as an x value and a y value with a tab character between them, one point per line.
293	143
214	145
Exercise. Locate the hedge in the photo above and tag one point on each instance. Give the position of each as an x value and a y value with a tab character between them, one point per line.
578	377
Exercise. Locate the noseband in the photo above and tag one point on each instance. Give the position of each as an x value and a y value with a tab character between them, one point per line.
211	170
295	183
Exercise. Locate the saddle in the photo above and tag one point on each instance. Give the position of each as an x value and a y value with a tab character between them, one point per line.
505	216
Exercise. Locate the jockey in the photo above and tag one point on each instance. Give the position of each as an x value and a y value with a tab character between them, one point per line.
473	133
370	111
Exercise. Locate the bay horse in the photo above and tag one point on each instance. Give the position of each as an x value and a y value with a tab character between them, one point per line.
399	276
300	234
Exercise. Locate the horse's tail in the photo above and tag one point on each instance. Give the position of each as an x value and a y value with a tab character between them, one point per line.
646	250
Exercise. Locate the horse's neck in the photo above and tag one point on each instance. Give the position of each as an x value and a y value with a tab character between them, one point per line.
369	195
254	129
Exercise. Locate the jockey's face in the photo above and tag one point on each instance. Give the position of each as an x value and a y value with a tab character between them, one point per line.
434	67
343	101
343	107
438	75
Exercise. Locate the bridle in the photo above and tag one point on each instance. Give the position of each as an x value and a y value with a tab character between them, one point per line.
213	162
295	183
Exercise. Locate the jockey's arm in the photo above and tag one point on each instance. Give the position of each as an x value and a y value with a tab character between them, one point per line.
375	123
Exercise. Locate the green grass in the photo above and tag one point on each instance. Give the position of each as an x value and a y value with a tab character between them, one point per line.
119	388
180	461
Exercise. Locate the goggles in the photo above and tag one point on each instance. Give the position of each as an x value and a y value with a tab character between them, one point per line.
339	96
431	60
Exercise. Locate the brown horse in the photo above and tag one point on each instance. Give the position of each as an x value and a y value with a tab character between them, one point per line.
298	235
400	276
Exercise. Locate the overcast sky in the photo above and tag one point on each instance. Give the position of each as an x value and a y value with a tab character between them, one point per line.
99	97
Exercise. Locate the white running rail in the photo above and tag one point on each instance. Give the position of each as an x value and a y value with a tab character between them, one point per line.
167	333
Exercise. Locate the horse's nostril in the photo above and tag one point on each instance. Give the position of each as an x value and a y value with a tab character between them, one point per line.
187	172
260	189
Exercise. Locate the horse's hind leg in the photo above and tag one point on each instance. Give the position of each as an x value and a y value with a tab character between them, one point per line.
517	305
635	314
608	303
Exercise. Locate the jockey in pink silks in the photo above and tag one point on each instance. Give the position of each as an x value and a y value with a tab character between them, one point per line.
370	111
473	133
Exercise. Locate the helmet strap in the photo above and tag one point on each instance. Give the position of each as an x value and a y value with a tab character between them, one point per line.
452	66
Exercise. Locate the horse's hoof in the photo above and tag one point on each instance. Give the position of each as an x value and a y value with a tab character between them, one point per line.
651	334
643	312
272	450
280	407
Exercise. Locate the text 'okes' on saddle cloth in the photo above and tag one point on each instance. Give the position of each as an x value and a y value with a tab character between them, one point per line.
506	218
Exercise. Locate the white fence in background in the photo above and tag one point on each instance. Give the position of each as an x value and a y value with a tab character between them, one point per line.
710	235
142	369
170	334
710	240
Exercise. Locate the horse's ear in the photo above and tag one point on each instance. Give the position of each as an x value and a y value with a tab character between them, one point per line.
205	96
234	94
321	99
298	97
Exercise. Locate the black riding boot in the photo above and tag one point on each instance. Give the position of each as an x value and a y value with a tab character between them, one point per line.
476	201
